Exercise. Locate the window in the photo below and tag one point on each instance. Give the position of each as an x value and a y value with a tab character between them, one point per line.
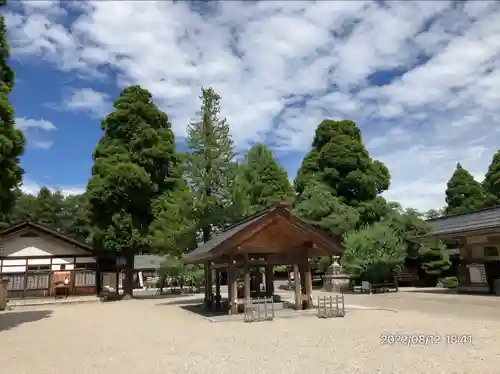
62	267
90	266
490	251
38	267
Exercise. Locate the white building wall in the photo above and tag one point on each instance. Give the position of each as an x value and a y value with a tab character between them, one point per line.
43	245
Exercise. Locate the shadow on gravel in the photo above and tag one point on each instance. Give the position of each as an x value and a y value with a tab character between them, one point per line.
10	320
182	301
444	291
202	311
165	295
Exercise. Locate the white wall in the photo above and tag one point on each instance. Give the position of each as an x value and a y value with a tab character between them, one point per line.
43	245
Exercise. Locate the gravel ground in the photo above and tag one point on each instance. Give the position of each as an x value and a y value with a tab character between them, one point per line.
150	336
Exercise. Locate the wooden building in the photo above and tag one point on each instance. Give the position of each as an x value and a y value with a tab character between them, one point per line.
35	259
274	236
476	235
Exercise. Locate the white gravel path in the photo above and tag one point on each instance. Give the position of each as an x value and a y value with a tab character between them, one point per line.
147	336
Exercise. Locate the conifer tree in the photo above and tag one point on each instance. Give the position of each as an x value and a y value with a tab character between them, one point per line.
12	140
266	181
463	192
210	170
135	162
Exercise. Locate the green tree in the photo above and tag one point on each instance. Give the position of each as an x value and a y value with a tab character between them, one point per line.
209	168
74	217
405	223
491	181
463	193
435	260
48	208
434	213
135	162
340	161
173	230
319	207
11	139
265	180
23	207
374	253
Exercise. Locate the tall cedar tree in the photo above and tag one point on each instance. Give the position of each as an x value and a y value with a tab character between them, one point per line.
134	163
491	181
463	193
265	180
340	161
209	168
11	139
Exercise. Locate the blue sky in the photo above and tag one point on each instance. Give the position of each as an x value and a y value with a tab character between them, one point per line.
421	79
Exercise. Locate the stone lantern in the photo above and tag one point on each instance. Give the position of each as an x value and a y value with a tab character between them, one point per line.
335	279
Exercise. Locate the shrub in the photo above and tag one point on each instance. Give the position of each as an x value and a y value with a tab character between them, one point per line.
449	282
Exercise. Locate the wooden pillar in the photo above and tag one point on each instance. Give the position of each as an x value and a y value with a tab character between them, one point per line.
269	281
247	284
229	288
298	293
234	290
210	283
302	279
307	285
217	288
205	274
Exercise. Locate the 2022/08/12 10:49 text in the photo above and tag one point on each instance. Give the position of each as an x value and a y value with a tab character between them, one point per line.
425	339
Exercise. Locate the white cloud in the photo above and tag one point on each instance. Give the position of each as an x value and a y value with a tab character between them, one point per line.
33	188
328	59
30	124
34	130
87	100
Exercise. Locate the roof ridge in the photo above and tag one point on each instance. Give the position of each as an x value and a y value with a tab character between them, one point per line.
464	213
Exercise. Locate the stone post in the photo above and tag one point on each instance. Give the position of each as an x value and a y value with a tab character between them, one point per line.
3	293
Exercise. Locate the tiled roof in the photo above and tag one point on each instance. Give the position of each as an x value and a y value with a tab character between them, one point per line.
473	221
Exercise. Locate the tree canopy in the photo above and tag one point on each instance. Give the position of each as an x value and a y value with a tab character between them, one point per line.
210	170
135	162
374	252
263	180
463	192
339	160
12	140
491	181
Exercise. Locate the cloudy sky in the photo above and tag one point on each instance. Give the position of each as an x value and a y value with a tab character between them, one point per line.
421	79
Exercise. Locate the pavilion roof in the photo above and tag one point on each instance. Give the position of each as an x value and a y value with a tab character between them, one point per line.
228	241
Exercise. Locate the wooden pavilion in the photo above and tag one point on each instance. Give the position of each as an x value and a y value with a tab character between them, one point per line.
274	236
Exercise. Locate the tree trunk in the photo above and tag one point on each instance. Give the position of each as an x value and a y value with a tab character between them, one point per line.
128	283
